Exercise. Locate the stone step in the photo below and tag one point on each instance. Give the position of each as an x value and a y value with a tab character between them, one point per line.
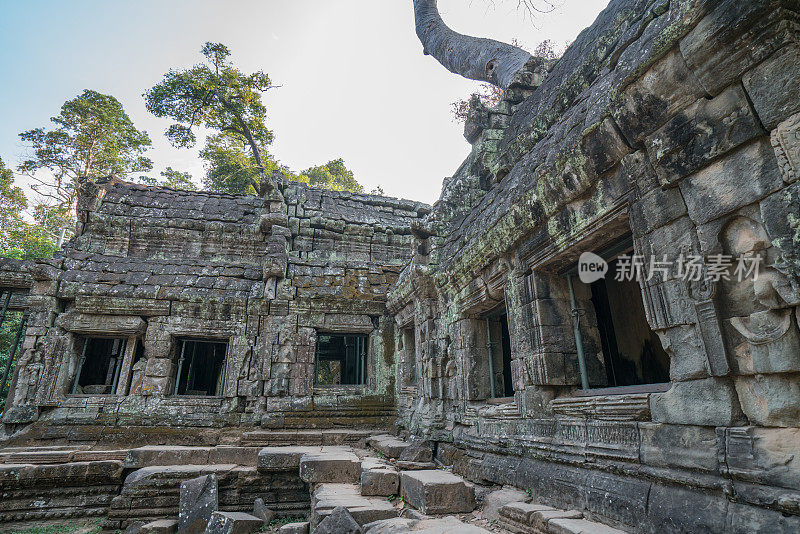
435	491
378	478
330	465
180	455
282	458
579	526
388	445
364	510
277	438
527	518
441	525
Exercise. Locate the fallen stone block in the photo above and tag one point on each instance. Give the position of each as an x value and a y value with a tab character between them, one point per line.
233	523
379	479
261	511
294	528
339	521
330	466
418	452
327	497
437	492
162	526
389	446
199	499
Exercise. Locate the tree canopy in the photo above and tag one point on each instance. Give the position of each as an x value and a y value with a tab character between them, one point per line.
91	137
333	175
172	178
19	238
218	96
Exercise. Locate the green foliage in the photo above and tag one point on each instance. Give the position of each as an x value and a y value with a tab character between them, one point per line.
85	527
91	137
19	239
217	96
172	178
333	175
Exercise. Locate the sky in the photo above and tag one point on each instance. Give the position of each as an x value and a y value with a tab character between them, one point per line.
353	80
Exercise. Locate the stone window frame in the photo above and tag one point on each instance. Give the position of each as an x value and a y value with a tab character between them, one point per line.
616	247
178	335
327	389
81	327
182	339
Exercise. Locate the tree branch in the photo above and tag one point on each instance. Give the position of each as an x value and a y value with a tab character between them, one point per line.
475	58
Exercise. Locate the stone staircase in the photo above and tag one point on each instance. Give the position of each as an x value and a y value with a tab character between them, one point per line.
385	484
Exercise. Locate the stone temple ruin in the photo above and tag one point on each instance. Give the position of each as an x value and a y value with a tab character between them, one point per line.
326	351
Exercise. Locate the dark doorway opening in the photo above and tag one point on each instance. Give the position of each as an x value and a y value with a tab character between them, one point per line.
499	344
99	366
633	353
200	367
341	359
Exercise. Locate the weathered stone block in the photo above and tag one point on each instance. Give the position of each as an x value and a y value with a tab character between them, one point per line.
683	446
708	402
770	400
282	458
339	521
437	492
199	499
330	466
233	523
769	456
379	479
744	177
665	89
773	88
733	38
700	134
294	528
162	526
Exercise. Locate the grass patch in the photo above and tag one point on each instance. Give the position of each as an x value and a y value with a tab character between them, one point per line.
87	527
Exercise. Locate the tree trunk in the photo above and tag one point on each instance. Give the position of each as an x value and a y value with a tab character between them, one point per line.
475	58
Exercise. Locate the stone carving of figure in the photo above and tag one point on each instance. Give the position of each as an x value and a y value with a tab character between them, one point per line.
772	330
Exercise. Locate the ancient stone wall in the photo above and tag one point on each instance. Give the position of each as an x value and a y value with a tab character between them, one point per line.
673	124
154	266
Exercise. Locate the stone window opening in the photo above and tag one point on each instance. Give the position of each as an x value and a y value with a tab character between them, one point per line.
201	367
498	343
409	348
631	352
99	366
341	359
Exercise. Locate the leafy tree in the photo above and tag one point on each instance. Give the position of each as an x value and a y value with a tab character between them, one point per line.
91	137
333	175
218	96
19	238
173	179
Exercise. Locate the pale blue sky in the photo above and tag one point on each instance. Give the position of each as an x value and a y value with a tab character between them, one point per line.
355	83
